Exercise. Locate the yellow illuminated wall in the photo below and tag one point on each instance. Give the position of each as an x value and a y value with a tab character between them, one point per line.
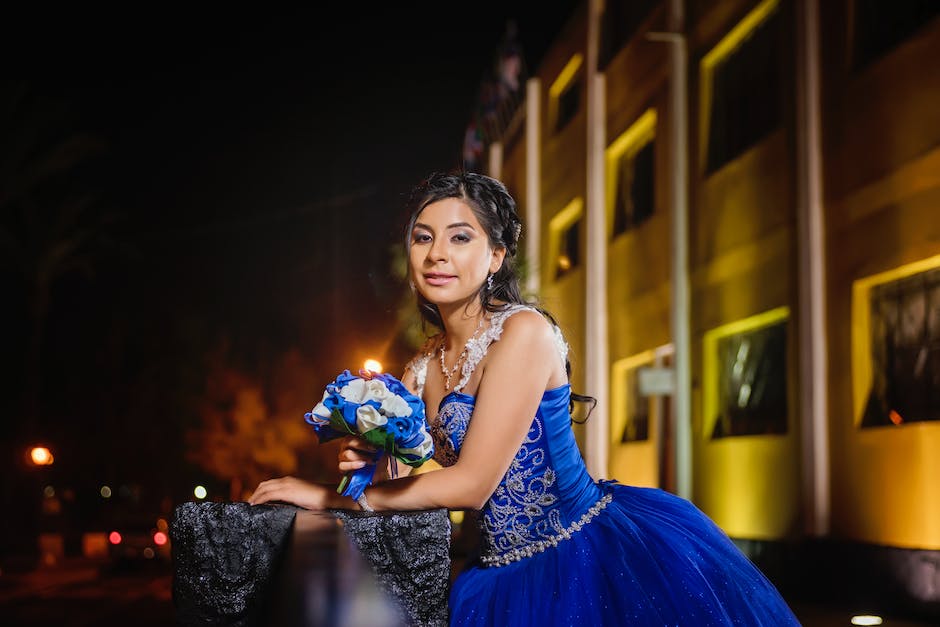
894	470
742	253
882	167
750	487
632	463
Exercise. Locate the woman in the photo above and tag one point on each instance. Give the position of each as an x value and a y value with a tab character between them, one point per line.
559	548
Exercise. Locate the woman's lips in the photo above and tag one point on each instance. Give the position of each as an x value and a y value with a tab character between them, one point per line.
439	279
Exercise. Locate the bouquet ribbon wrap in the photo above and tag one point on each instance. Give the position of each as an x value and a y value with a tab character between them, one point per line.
379	409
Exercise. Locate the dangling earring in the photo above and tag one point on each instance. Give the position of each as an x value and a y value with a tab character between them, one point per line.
489	283
411	284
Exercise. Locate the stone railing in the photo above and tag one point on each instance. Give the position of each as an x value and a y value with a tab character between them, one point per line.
235	564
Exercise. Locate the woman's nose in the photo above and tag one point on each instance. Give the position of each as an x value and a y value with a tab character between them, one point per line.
438	251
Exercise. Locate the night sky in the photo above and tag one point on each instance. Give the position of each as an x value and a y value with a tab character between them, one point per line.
245	178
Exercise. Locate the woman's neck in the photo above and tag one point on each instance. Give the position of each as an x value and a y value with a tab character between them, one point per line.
461	322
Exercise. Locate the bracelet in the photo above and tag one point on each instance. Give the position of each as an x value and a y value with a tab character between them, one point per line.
364	503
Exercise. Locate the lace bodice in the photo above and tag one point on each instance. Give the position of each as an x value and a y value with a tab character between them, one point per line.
546	494
476	349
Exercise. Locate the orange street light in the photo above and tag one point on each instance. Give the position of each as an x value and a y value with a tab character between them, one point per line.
41	456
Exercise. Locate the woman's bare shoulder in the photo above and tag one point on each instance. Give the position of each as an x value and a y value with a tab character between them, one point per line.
528	327
528	321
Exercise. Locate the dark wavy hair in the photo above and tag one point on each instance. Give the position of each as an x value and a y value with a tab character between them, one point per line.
495	209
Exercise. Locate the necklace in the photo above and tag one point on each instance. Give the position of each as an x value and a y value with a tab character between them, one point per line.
448	373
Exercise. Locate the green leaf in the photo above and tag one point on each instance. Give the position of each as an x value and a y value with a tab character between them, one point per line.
377	437
337	422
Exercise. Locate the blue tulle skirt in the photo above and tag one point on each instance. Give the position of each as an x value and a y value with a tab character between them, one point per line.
649	558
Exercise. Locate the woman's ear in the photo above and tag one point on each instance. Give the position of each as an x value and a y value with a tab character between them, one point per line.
499	253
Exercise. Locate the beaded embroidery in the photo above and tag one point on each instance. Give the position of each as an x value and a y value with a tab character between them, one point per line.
449	430
537	547
516	515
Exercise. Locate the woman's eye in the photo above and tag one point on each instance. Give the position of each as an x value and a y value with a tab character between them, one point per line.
421	238
461	237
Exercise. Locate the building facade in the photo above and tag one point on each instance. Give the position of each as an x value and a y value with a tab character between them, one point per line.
733	208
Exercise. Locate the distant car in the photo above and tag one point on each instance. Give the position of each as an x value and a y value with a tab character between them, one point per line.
138	538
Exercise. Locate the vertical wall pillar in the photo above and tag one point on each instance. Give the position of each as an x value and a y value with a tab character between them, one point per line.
678	142
495	161
533	183
814	428
598	366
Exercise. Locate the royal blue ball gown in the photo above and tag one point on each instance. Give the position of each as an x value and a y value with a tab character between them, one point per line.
559	548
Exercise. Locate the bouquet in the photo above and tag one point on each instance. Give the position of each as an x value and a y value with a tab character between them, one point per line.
379	409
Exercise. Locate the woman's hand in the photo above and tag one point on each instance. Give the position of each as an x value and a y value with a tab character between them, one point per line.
356	453
297	492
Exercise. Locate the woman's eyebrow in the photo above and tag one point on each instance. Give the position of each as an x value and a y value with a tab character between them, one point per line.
455	225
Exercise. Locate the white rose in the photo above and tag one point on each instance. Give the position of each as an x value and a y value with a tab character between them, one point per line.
368	418
320	410
422	449
376	391
396	406
354	391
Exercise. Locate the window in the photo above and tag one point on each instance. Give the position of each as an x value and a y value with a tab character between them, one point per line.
565	230
565	94
619	22
742	86
880	25
569	255
631	175
637	427
904	331
746	374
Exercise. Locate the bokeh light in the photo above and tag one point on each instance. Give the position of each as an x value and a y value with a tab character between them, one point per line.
200	492
373	365
41	456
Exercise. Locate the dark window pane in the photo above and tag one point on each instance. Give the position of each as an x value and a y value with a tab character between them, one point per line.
568	103
569	253
637	428
752	383
635	200
746	94
619	22
905	351
642	189
880	25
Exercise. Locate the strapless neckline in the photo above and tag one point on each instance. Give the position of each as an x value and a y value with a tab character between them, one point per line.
471	397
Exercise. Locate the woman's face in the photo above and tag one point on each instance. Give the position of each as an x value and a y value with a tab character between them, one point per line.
450	254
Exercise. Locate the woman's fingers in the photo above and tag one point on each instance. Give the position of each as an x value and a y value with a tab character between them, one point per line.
270	490
360	444
351	465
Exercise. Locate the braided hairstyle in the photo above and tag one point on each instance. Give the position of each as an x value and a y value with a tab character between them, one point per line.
495	209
